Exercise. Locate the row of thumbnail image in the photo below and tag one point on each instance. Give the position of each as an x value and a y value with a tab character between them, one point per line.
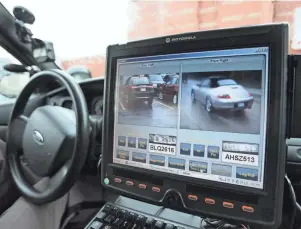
185	148
194	166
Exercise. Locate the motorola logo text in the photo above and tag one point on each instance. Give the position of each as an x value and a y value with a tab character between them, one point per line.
176	39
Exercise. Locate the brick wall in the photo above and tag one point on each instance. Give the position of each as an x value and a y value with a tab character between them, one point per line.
284	12
158	18
96	64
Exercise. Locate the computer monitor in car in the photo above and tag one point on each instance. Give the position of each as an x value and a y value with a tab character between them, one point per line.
199	122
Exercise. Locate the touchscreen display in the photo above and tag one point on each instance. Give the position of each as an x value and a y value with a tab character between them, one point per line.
200	114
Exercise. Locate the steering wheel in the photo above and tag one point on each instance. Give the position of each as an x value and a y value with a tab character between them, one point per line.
54	140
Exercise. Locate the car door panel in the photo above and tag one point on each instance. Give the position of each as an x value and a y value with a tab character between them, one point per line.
163	90
205	94
5	110
204	90
3	130
7	191
201	94
169	87
197	92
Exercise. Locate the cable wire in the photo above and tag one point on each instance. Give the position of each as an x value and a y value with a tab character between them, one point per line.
213	223
245	226
219	224
294	202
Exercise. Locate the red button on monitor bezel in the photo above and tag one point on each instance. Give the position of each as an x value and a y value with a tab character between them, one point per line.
193	197
129	183
142	186
117	180
156	189
228	204
248	209
209	201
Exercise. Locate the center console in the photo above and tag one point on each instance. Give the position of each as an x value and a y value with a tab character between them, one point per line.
196	123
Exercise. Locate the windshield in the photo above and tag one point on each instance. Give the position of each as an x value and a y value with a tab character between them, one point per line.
10	83
226	82
81	34
3	72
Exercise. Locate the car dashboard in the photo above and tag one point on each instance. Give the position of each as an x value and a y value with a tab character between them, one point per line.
93	92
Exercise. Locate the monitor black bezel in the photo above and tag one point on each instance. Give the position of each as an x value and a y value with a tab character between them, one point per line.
272	36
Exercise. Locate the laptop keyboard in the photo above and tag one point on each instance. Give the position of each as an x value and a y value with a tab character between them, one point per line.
113	217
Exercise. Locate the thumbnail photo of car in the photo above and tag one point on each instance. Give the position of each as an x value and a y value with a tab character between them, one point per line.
170	89
137	89
220	92
224	101
139	102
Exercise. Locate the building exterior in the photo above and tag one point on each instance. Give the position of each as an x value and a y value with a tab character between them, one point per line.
96	64
159	18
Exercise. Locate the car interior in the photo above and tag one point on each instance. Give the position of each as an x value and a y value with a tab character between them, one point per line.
91	154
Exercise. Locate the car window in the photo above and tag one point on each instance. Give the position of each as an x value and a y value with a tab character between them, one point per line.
174	80
226	82
206	83
169	81
140	80
11	84
3	72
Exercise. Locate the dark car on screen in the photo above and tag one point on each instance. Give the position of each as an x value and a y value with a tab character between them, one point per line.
137	88
169	90
221	93
157	81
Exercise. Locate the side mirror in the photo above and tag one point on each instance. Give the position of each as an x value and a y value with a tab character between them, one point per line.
11	85
24	15
17	68
43	51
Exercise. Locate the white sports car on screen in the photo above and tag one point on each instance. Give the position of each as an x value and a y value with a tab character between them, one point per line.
219	92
